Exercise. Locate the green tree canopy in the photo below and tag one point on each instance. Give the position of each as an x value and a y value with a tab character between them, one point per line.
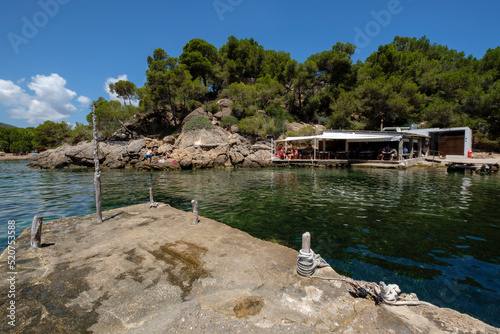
200	59
125	90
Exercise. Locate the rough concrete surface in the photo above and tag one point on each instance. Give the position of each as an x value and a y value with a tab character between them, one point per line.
152	271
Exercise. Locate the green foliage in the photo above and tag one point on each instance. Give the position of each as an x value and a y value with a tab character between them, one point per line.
124	89
213	108
409	80
344	112
51	134
110	115
80	133
302	132
259	125
243	59
7	126
198	123
20	147
200	59
19	137
165	78
252	125
188	92
4	145
227	121
278	112
240	92
267	90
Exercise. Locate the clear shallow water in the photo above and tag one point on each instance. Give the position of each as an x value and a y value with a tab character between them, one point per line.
432	233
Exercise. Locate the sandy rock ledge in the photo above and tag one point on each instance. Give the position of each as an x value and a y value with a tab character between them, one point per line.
151	271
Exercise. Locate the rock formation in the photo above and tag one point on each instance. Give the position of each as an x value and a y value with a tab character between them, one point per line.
190	150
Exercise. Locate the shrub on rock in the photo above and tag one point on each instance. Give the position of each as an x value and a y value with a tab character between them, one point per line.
227	121
198	123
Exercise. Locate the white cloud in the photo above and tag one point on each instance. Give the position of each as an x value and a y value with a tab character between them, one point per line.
11	94
113	96
84	101
51	99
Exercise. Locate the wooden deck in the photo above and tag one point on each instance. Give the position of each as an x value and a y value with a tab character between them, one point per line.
473	166
479	164
342	163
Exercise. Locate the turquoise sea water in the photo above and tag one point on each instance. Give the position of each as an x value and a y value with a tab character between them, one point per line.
430	232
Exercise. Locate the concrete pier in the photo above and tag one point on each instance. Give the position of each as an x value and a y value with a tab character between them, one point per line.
152	271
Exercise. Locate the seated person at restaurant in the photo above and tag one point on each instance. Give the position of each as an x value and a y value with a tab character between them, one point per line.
282	153
385	152
394	154
406	154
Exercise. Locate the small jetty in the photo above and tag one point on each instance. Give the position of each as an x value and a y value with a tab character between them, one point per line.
339	163
472	165
162	270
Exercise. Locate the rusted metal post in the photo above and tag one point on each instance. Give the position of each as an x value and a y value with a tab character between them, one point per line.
195	211
97	173
306	242
36	232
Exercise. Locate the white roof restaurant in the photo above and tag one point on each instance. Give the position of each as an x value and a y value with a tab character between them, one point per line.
345	147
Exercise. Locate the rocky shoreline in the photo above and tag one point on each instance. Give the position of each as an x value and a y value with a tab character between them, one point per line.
195	149
153	271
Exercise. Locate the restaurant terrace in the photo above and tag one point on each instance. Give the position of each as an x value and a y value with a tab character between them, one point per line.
342	147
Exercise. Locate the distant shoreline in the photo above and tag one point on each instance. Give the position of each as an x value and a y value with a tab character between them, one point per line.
15	157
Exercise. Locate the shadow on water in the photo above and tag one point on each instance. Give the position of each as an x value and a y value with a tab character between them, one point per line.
430	232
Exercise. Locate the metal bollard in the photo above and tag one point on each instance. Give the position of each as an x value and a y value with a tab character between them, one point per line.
195	211
306	242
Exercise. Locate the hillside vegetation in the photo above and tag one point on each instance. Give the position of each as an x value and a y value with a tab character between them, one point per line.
407	81
7	126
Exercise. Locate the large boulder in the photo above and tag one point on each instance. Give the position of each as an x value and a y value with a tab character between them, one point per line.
261	158
163	149
114	154
53	158
203	138
82	154
135	146
169	140
223	113
225	103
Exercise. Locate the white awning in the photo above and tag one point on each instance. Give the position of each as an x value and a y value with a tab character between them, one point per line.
351	137
299	138
360	137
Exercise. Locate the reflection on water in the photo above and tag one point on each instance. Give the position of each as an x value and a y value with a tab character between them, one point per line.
432	233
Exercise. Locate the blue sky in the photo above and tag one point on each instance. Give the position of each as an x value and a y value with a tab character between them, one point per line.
58	55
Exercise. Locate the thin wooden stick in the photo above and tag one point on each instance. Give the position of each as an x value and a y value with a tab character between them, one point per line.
97	173
36	232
